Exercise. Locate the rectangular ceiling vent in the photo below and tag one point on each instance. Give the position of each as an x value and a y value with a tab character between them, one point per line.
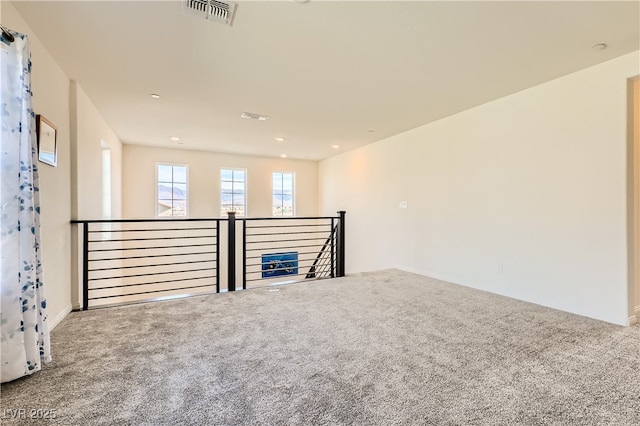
212	10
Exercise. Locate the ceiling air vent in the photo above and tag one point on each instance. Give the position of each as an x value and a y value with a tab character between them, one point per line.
212	10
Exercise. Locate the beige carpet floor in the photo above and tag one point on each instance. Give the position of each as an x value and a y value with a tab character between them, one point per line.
383	348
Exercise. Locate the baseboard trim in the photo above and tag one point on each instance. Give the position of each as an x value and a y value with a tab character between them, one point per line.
633	320
58	318
438	277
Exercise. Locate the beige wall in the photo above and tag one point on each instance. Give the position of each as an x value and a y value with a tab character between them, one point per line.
524	196
88	133
139	184
51	98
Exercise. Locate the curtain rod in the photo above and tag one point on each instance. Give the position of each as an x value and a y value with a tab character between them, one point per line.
6	34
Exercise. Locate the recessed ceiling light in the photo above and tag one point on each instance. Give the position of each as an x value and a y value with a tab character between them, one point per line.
599	46
283	155
174	138
335	146
279	139
155	96
254	116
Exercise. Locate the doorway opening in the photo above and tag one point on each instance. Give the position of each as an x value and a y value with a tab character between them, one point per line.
106	187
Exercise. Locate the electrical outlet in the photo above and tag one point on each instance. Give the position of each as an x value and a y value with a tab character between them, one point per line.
501	267
403	205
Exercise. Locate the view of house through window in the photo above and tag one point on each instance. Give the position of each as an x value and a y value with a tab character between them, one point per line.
233	195
283	194
172	190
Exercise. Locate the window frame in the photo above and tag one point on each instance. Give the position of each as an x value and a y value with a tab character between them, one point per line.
245	196
293	194
186	183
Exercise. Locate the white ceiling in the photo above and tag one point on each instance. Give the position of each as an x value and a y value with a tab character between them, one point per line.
327	72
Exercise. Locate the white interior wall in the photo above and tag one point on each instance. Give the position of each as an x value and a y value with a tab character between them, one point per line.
90	131
50	88
524	196
139	175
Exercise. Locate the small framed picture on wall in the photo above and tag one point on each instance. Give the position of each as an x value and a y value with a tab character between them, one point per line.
47	141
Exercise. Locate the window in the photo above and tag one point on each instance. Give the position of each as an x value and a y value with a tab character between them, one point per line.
172	190
283	194
233	194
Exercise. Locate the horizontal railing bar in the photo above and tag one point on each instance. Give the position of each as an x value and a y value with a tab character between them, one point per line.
189	237
151	274
149	220
289	233
288	226
286	248
151	266
300	253
299	267
152	248
323	262
287	218
274	269
151	283
150	230
270	263
150	292
279	276
150	256
302	262
284	241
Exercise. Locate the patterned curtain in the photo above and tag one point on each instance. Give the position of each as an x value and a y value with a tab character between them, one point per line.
23	318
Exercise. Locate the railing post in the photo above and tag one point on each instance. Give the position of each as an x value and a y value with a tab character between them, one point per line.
85	266
244	254
341	246
217	255
231	255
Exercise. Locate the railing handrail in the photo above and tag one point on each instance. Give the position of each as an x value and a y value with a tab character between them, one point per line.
287	218
168	219
200	219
